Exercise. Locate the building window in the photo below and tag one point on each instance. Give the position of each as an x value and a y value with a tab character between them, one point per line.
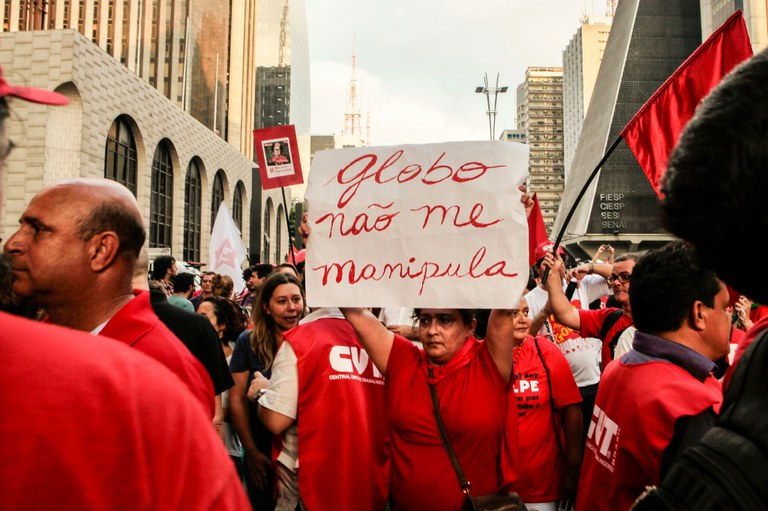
120	155
193	197
161	198
217	196
278	233
237	205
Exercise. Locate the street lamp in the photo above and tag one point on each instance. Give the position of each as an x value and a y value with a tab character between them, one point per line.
491	111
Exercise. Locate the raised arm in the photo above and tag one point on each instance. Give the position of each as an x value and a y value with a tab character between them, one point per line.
373	335
500	341
564	312
590	267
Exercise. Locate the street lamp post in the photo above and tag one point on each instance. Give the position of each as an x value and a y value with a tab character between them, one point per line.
488	91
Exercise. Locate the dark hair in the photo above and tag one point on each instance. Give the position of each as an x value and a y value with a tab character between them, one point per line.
5	143
161	265
183	282
714	190
263	270
288	265
264	336
110	216
230	315
247	273
665	284
467	315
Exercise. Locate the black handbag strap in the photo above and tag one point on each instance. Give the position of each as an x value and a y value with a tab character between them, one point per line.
551	396
466	486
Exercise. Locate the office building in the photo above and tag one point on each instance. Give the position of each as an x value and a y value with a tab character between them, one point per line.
581	62
649	39
540	118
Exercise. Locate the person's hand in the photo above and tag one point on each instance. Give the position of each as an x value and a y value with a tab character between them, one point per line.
553	262
526	200
258	383
258	468
605	248
742	307
577	272
570	484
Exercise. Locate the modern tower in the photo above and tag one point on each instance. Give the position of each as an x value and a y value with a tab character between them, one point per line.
282	97
352	135
715	12
581	62
540	117
649	39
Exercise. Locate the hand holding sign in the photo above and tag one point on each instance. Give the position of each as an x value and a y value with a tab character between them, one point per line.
439	225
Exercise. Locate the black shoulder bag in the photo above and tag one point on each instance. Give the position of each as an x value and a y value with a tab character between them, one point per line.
500	502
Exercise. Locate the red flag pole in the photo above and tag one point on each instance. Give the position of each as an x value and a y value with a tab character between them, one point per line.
578	199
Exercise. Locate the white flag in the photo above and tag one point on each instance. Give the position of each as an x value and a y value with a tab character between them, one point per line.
227	250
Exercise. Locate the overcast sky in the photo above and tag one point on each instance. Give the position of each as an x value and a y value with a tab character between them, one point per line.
419	62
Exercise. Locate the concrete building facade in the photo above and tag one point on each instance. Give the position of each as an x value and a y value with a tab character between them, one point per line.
197	53
119	126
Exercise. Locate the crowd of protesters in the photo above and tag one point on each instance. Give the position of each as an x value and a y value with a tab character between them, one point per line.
588	395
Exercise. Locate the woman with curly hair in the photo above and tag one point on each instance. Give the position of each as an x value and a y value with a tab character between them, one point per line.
223	286
279	308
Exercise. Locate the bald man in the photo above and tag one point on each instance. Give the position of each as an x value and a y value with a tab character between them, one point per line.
107	427
74	255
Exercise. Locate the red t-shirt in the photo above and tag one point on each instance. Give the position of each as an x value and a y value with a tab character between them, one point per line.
90	424
591	323
541	478
137	326
479	416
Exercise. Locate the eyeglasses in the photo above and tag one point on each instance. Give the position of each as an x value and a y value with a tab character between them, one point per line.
622	277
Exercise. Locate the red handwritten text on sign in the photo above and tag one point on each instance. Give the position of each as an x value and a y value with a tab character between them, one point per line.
433	225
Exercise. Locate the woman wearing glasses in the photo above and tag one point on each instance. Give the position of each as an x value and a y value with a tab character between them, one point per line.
607	324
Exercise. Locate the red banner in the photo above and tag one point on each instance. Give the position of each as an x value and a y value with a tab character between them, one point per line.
278	155
537	231
654	130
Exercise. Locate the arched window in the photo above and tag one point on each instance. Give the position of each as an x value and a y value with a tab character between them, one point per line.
217	196
265	229
120	155
161	197
237	205
278	233
193	197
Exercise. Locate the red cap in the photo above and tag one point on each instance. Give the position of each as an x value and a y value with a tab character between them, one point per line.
32	94
544	248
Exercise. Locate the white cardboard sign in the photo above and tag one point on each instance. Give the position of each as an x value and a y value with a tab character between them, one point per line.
435	225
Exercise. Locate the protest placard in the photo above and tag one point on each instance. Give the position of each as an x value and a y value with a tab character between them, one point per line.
277	152
435	225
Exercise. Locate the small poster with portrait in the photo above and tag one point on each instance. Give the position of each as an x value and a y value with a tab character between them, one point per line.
278	155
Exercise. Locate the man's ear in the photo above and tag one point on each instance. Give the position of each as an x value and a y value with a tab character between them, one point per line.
103	249
697	316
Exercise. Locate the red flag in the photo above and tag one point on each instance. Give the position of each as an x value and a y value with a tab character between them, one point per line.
537	232
654	130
